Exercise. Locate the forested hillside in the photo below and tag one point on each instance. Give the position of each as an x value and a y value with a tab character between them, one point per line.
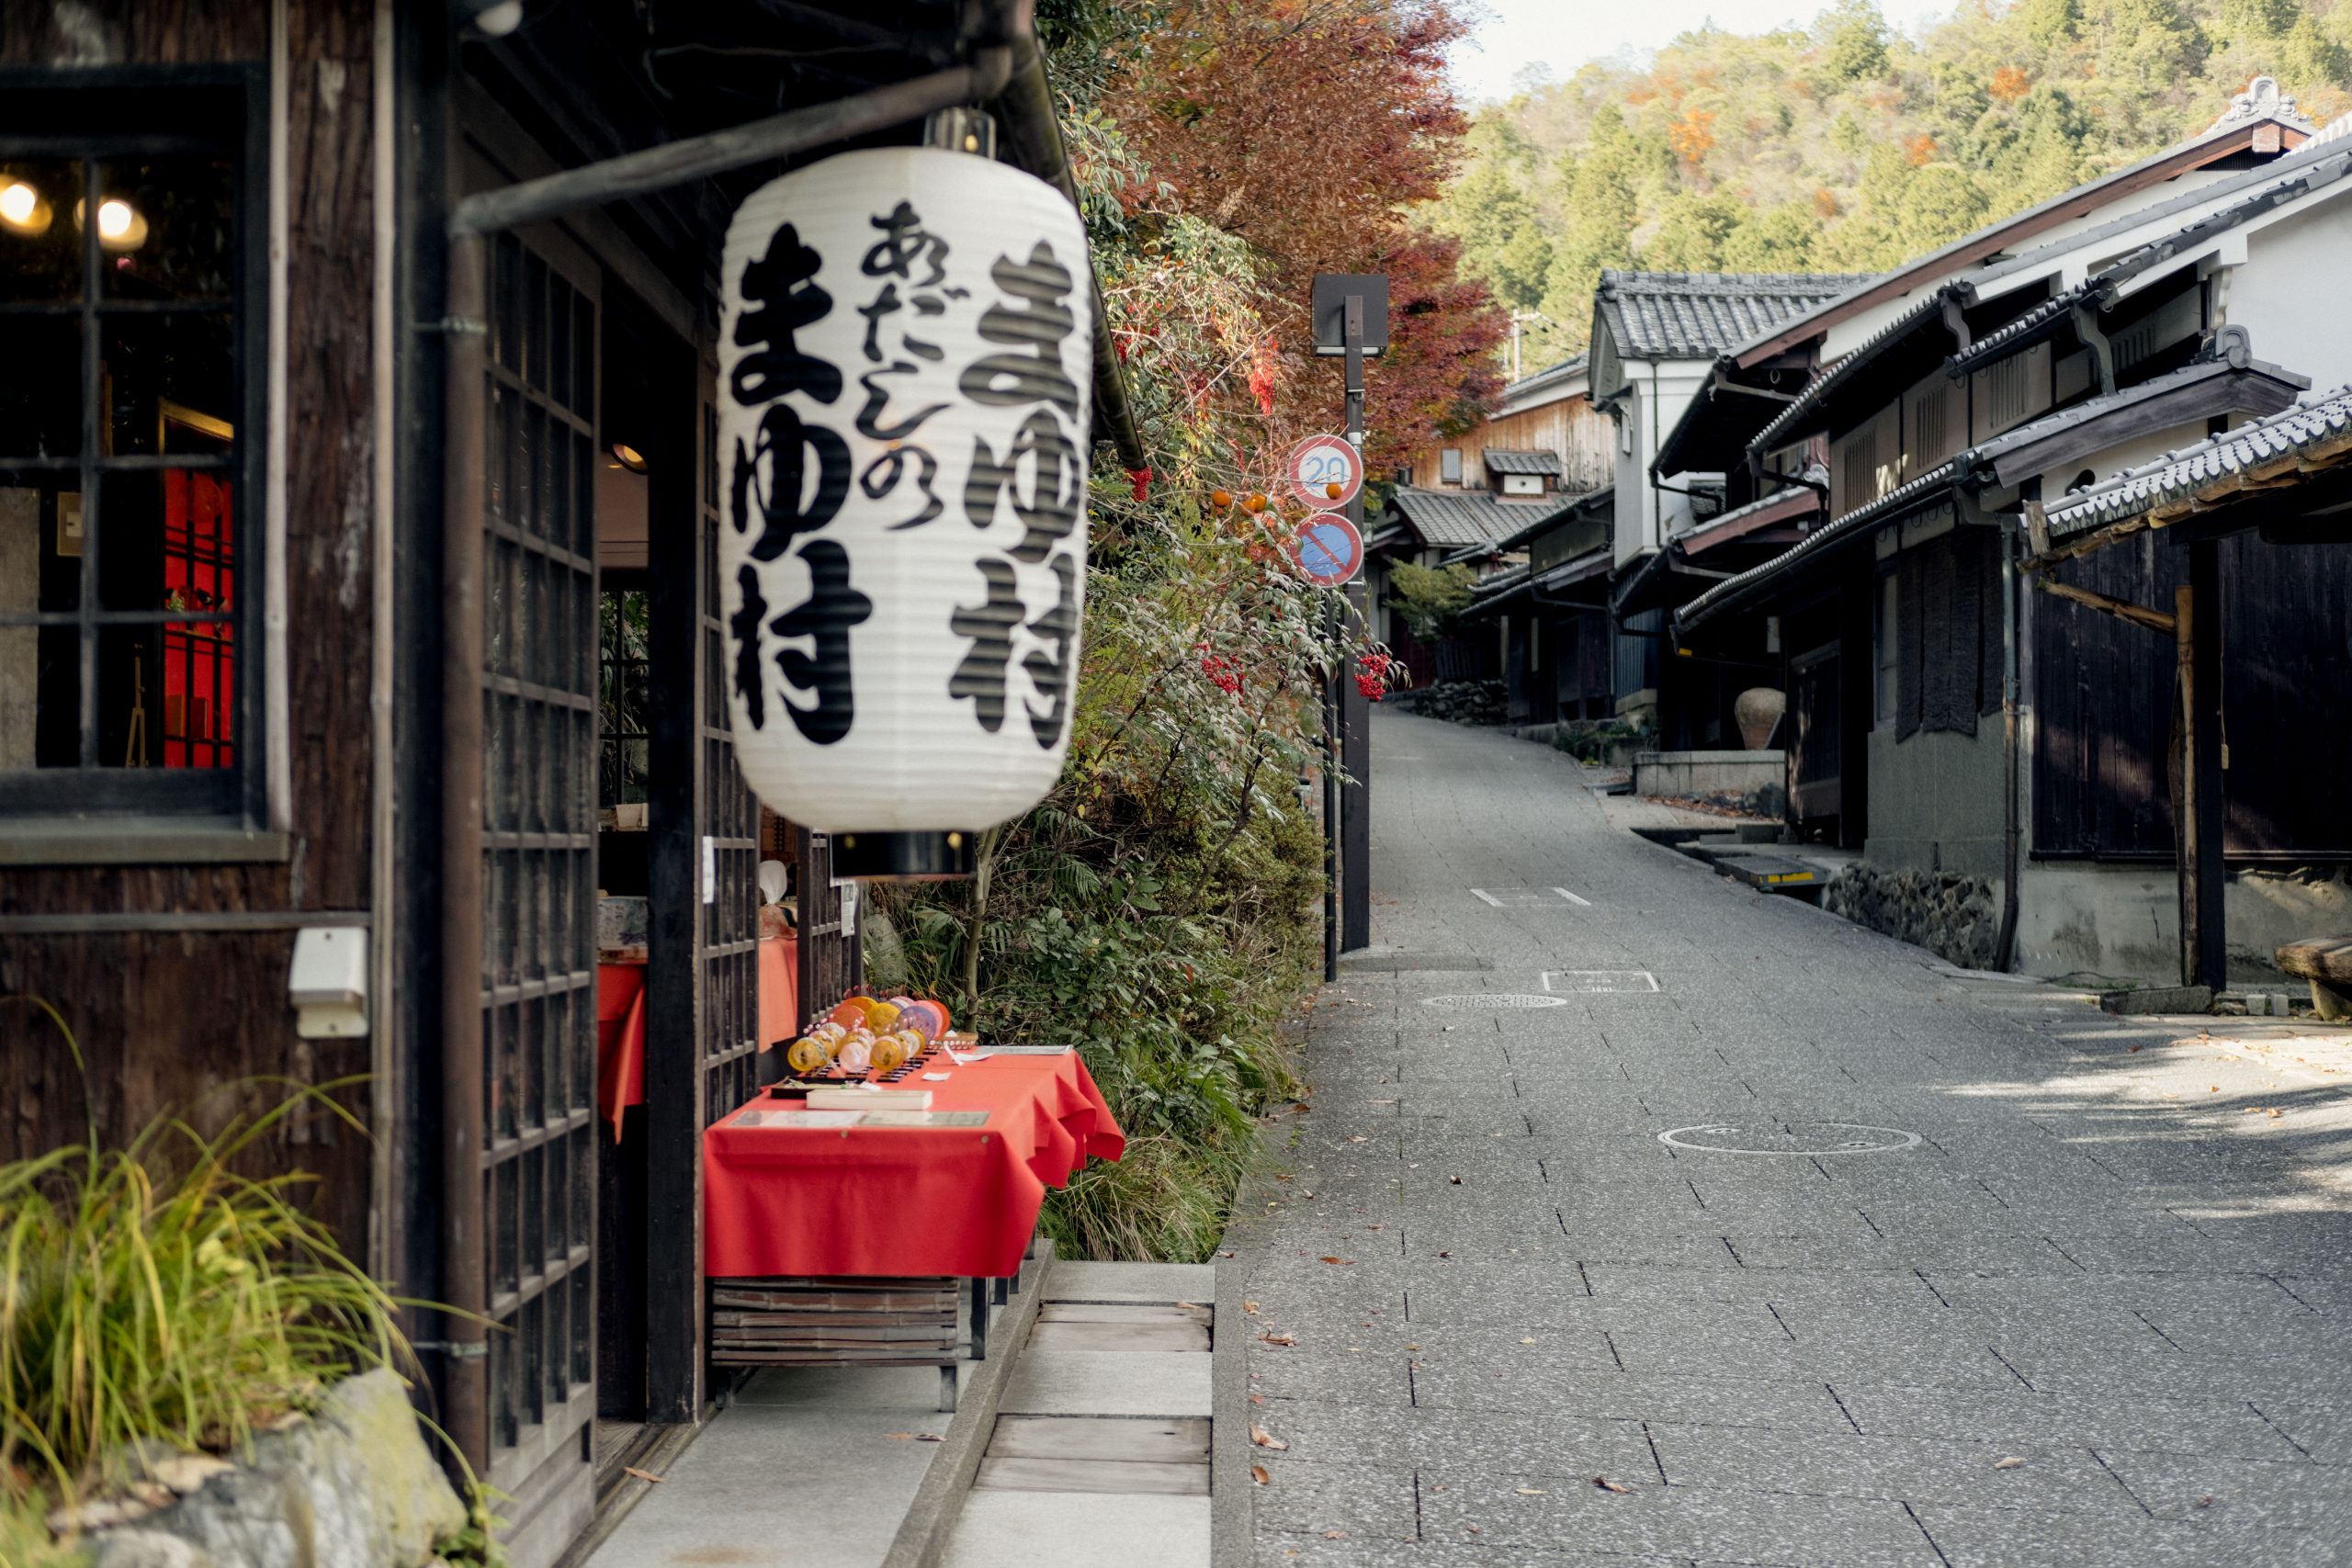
1848	146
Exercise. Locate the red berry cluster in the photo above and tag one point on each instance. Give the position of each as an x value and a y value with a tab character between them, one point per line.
1371	675
1223	673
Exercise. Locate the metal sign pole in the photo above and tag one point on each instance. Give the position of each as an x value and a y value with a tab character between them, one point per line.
1355	708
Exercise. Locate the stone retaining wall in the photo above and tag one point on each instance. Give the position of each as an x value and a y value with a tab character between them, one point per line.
1954	917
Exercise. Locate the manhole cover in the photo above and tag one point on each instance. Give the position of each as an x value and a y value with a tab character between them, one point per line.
1485	1002
1790	1138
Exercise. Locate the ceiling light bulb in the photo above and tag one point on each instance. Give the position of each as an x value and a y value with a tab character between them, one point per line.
499	19
630	457
16	203
114	219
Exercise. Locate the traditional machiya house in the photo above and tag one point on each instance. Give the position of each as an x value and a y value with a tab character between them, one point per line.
1484	500
1657	339
2010	763
361	620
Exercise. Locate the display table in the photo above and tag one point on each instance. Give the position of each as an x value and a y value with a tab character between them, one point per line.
620	1021
903	1202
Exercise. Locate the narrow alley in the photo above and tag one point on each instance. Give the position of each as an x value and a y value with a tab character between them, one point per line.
1639	1217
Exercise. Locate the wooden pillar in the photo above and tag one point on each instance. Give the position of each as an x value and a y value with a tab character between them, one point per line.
2197	628
675	912
2205	758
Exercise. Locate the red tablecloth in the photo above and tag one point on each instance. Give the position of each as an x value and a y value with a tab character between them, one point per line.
620	1021
959	1200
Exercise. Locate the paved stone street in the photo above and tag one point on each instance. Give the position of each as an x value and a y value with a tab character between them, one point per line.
1932	1268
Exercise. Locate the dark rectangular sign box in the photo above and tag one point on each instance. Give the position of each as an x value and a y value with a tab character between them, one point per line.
1331	292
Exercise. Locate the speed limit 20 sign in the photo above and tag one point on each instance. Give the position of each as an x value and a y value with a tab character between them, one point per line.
1324	471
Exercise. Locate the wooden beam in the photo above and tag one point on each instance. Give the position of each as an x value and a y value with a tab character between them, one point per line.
2138	615
700	157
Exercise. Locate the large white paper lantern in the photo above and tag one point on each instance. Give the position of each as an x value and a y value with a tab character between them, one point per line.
905	372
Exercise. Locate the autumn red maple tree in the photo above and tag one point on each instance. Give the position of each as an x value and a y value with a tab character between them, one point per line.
1309	128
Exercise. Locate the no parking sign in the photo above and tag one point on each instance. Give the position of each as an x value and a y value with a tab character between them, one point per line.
1327	550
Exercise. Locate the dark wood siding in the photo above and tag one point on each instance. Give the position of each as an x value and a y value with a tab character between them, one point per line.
2105	702
167	1018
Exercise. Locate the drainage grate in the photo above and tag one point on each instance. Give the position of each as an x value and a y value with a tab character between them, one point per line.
1484	1001
1790	1138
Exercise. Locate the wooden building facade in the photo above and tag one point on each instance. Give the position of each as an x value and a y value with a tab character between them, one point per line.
332	452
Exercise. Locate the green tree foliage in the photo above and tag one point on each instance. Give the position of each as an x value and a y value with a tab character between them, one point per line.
1429	597
1848	145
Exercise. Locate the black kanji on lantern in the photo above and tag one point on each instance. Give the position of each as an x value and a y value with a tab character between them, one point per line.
825	618
905	246
1051	671
1032	323
990	626
784	284
1049	513
794	477
746	625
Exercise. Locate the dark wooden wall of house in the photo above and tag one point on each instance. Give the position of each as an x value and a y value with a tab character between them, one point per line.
2107	703
167	1018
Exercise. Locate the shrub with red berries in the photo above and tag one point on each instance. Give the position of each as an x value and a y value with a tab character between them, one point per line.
1371	675
1224	673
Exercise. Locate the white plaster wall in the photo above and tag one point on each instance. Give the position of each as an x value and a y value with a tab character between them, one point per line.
2123	921
2288	294
1647	515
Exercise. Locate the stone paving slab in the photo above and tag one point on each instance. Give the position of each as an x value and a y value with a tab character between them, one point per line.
1078	1529
2100	1256
1917	1470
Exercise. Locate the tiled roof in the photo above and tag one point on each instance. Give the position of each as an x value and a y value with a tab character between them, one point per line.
1587	501
1925	312
1502	462
1506	584
2214	466
1918	493
1698	315
1450	518
1528	389
1777	506
2005	234
2239	363
2037	323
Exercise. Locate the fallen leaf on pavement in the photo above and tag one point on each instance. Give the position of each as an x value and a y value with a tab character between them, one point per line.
1279	1338
900	1437
930	1437
2012	1462
1527	1341
1249	1306
1532	1492
1358	1138
641	1474
1474	1529
1446	1254
1335	1535
1257	1473
1266	1439
1608	1485
1225	1255
1456	1179
1342	1262
2205	1501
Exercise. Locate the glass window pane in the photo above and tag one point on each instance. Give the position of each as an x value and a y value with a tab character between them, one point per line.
167	540
167	229
167	695
41	392
40	250
169	382
40	541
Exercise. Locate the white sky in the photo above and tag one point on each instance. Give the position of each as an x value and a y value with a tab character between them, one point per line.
1561	35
